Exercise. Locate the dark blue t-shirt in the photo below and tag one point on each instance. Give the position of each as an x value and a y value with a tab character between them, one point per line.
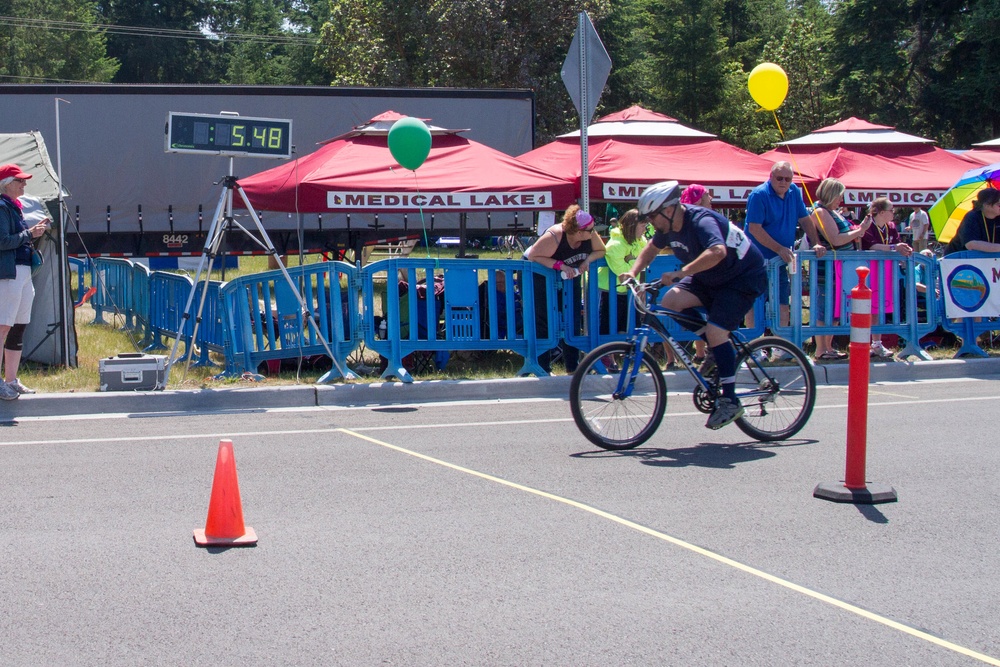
974	227
22	254
704	228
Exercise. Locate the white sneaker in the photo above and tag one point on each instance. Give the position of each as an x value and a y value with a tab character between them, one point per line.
20	388
779	355
8	393
878	350
726	412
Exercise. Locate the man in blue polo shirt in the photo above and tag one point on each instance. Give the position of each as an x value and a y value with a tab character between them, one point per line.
774	211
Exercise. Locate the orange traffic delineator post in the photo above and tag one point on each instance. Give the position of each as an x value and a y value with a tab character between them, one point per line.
224	526
854	488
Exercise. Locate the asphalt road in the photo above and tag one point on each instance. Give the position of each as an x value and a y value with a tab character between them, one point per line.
492	533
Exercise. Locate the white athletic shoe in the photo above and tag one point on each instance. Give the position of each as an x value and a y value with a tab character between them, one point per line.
726	412
879	351
8	393
779	355
20	388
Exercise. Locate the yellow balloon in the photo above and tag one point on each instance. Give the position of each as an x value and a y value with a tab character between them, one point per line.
768	85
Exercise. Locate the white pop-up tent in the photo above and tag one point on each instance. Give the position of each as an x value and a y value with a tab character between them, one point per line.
51	336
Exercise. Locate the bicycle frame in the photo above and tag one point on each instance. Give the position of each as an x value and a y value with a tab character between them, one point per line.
651	320
774	384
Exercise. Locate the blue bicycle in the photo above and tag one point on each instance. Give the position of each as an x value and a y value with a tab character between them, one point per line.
618	394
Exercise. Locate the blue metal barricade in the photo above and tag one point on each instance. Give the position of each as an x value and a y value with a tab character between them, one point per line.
821	290
264	320
467	304
138	307
211	330
168	295
113	280
80	267
443	305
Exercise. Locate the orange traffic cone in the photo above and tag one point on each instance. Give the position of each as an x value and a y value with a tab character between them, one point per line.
224	526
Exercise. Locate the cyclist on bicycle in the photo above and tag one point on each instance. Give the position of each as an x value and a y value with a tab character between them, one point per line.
722	272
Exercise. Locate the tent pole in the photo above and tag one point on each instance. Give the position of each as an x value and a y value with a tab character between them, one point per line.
301	235
463	224
65	318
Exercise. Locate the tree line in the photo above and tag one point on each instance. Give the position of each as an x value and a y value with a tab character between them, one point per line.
923	66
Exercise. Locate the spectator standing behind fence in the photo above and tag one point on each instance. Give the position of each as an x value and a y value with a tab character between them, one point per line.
16	289
775	210
839	235
978	230
882	235
919	224
568	248
696	195
625	241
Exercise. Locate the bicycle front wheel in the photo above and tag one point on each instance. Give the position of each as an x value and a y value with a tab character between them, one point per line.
777	387
611	410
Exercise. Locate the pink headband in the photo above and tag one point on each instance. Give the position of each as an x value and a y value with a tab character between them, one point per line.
584	220
693	194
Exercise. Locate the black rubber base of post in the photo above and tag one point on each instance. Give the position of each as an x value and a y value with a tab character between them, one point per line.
872	494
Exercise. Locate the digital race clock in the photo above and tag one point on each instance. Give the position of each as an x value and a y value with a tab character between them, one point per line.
226	134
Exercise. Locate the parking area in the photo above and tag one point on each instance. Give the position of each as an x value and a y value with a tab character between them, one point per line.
491	532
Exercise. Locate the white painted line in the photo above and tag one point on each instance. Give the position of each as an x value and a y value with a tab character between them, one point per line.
404	427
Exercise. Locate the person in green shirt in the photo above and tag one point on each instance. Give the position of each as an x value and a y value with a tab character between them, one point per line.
623	246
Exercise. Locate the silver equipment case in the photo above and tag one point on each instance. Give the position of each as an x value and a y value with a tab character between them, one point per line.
132	371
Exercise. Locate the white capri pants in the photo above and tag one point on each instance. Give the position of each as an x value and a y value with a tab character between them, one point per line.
16	295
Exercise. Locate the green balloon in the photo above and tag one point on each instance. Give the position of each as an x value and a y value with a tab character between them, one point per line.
409	142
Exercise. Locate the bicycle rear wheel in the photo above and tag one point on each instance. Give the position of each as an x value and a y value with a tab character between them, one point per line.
777	387
609	417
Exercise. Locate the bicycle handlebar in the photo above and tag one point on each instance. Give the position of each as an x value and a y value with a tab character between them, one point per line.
639	290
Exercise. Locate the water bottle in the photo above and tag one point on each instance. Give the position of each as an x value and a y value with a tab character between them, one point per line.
793	266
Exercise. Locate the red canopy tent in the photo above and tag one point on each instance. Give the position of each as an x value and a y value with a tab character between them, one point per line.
634	148
355	174
987	152
875	161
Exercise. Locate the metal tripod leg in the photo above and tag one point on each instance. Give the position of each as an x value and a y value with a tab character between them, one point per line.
224	215
212	243
306	313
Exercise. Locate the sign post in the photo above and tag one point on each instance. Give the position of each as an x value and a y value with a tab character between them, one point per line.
584	72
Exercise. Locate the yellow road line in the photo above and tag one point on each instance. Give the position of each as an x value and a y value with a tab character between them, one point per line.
889	393
864	613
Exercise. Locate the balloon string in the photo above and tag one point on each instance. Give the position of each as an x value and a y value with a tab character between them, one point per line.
802	180
795	165
778	123
423	224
